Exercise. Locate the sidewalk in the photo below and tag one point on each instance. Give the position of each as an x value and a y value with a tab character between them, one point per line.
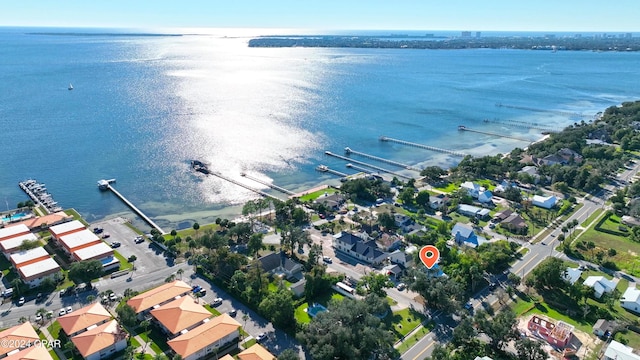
50	338
144	345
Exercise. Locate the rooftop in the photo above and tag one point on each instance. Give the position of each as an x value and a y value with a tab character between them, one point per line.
22	333
204	335
98	338
96	251
50	219
78	239
256	352
38	269
14	230
27	256
31	353
67	227
618	351
180	314
13	243
83	318
158	295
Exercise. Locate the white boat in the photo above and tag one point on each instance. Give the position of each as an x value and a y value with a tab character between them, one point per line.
70	86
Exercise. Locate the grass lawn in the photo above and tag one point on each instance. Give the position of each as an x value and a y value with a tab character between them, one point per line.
247	344
403	322
145	337
571	211
54	330
633	338
526	307
594	215
76	216
612	223
314	195
412	340
627	250
449	188
134	342
124	264
301	315
190	232
5	268
212	310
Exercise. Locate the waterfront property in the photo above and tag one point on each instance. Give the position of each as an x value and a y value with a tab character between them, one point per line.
39	223
180	316
66	228
19	334
158	296
13	244
34	265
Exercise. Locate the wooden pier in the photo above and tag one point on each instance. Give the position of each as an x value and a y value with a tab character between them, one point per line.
273	186
425	147
350	151
358	168
324	168
464	128
368	165
521	124
131	206
257	191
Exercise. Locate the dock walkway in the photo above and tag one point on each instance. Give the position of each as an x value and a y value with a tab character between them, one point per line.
464	128
39	195
368	165
350	151
273	186
421	146
257	191
135	209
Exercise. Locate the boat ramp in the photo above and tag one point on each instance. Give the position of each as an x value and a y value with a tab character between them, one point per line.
421	146
105	185
39	195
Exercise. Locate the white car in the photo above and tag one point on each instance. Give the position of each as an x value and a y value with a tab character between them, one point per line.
62	312
113	297
69	309
216	301
261	337
327	259
38	317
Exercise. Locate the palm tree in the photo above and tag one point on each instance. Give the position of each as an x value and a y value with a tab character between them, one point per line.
196	226
180	272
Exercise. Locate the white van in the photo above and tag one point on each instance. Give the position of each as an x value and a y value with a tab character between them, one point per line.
7	293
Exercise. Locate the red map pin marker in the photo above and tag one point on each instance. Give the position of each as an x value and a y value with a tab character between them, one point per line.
429	255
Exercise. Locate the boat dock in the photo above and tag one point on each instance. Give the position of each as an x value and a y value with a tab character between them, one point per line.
464	128
361	169
350	151
325	168
39	195
138	212
257	191
368	165
425	147
521	124
273	186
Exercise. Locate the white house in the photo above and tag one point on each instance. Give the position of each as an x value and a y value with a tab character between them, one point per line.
470	210
618	351
544	202
631	299
600	285
472	188
572	275
485	196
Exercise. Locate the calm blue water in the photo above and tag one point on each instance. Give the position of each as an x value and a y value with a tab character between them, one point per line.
143	106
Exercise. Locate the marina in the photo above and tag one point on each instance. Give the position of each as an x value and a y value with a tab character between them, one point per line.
273	186
464	128
325	168
350	151
425	147
105	185
368	165
39	195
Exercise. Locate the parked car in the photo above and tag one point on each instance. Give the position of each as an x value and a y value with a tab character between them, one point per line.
62	312
233	312
113	297
327	259
38	317
106	236
493	286
261	337
69	309
7	293
98	230
202	292
138	239
115	244
21	301
401	286
216	302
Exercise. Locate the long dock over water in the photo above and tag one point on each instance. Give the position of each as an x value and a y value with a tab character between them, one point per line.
558	112
350	151
361	169
425	147
368	165
273	186
325	168
257	191
521	124
139	212
464	128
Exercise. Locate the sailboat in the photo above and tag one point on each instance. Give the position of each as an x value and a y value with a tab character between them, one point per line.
70	86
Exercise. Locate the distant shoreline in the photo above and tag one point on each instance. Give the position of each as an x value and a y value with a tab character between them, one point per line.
550	43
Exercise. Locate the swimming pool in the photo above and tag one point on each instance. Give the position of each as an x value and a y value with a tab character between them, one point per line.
315	309
15	217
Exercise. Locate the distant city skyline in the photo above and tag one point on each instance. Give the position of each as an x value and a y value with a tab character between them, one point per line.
454	15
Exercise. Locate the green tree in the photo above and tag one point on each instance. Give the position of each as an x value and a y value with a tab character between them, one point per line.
255	243
127	315
348	331
85	271
318	282
278	306
549	274
433	174
514	279
196	227
500	328
375	284
288	354
29	244
530	350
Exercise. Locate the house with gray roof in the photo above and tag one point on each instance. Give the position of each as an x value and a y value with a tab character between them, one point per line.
463	234
359	248
275	263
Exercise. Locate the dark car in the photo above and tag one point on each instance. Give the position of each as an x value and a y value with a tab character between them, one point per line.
233	312
493	286
106	236
115	244
98	230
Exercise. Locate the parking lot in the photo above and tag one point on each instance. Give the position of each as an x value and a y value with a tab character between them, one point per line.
149	259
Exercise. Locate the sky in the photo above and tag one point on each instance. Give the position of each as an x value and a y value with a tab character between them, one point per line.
472	15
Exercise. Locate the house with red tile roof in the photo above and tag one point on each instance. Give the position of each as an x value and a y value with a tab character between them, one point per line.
80	320
180	315
19	334
158	296
217	335
101	341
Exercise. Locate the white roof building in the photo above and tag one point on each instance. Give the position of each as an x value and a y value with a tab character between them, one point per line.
11	245
544	202
66	228
630	300
600	285
33	274
12	231
472	188
22	257
97	251
77	239
572	275
618	351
